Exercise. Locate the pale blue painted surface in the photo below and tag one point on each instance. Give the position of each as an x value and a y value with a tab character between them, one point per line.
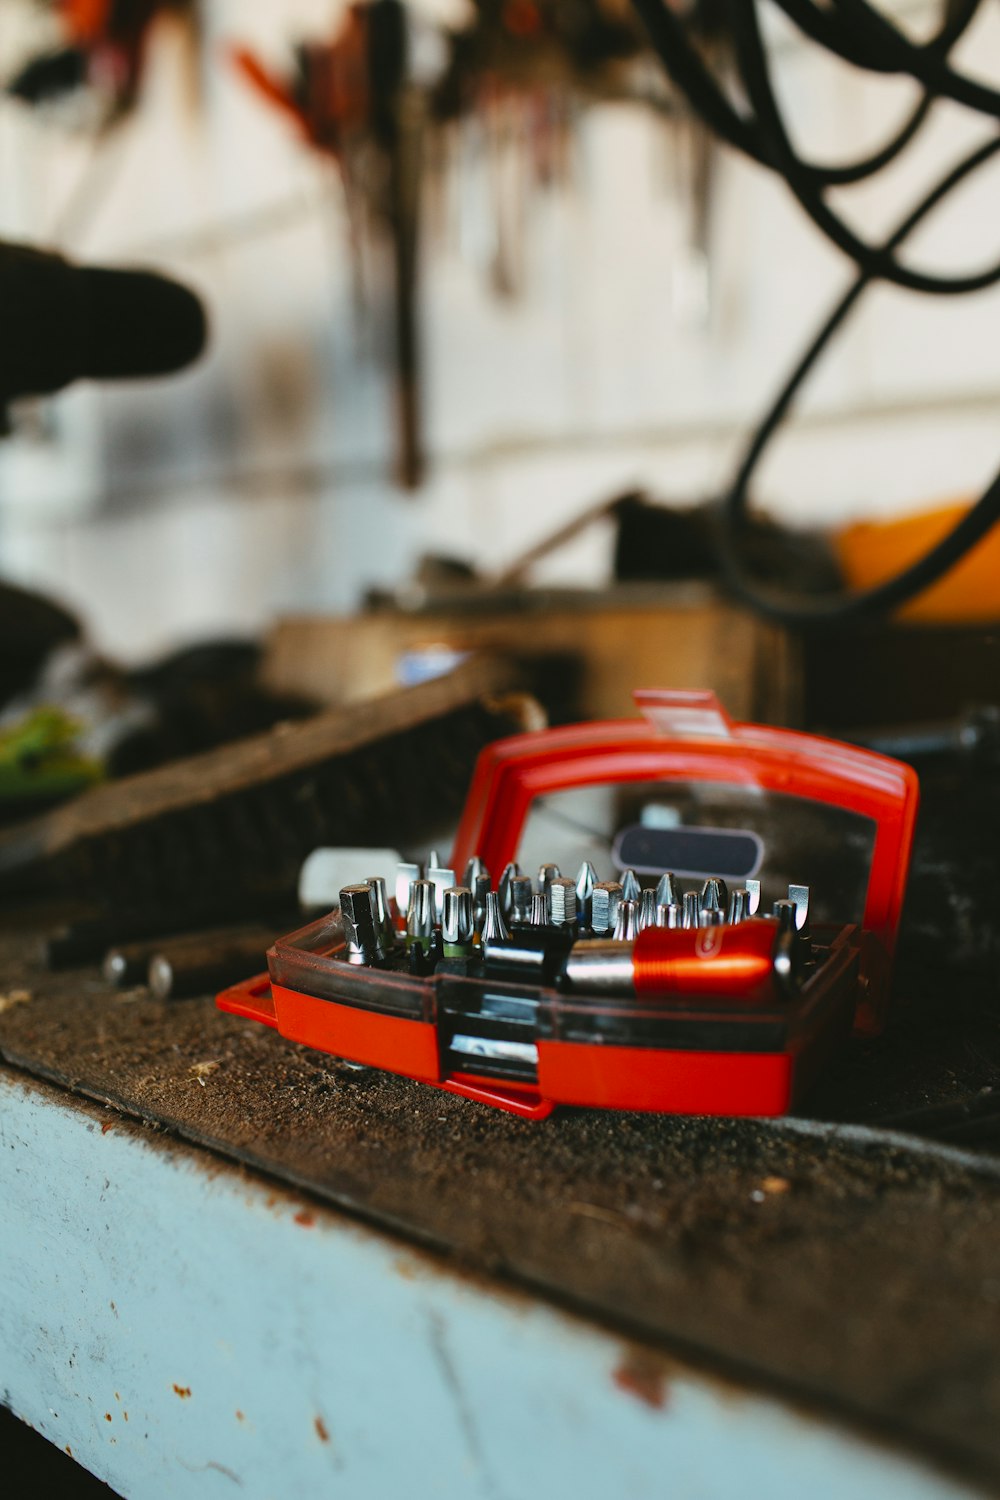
131	1266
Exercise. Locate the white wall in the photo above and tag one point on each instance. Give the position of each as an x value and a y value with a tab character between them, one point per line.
262	480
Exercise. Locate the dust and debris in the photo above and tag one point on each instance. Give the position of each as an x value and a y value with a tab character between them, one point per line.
203	1070
14	997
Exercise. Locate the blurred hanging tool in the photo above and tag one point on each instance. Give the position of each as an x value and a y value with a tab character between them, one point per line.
104	50
355	99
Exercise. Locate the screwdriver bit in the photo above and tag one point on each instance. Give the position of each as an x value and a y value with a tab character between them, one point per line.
546	875
785	912
406	874
473	869
458	923
511	871
631	890
539	910
586	879
626	923
384	928
480	890
714	896
494	927
647	909
667	890
800	895
753	897
669	914
562	902
521	893
690	909
358	916
420	917
442	880
604	903
739	907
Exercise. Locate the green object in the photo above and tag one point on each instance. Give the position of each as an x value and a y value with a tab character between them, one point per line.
39	758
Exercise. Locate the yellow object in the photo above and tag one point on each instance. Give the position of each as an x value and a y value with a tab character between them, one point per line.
873	551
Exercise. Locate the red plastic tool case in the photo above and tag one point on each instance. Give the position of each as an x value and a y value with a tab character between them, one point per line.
672	1052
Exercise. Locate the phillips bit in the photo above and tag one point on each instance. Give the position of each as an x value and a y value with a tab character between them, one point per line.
420	917
473	869
384	927
669	914
667	890
358	916
739	907
458	925
480	891
511	871
405	876
647	909
546	875
562	902
586	879
539	911
494	927
631	890
690	909
800	895
714	896
521	894
442	881
604	902
753	897
626	923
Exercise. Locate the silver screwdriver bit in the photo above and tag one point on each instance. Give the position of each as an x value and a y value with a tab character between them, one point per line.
405	876
586	879
800	895
739	907
690	909
480	890
562	902
631	889
458	923
383	920
473	869
539	910
442	880
433	860
753	897
647	909
420	917
785	912
714	896
711	916
626	923
546	875
494	927
604	902
511	871
358	916
521	893
668	914
667	890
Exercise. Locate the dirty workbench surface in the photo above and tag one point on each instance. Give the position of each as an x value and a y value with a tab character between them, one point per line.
858	1273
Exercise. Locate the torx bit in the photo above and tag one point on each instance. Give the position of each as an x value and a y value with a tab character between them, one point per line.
667	890
739	907
586	879
480	891
473	869
604	902
546	875
714	896
442	880
406	874
690	910
626	923
458	925
562	902
631	889
494	928
358	916
519	904
420	917
669	914
647	909
753	897
511	871
380	905
539	910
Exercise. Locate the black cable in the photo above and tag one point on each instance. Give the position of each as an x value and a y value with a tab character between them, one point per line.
762	135
919	61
